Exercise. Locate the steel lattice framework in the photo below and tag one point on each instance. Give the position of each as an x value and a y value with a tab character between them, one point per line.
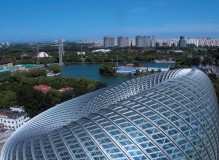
168	115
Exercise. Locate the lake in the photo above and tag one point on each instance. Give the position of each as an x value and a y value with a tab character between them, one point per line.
92	71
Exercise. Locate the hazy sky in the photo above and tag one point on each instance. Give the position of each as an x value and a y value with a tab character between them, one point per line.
41	20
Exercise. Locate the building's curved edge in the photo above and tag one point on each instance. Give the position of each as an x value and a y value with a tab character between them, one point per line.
84	104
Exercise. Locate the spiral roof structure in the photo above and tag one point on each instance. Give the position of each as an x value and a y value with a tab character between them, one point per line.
168	115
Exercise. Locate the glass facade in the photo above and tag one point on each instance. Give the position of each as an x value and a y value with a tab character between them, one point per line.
168	115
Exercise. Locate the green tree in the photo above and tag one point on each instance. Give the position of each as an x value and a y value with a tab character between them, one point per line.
35	73
35	101
152	71
54	97
4	74
196	61
171	67
107	68
66	95
7	99
55	68
138	73
207	61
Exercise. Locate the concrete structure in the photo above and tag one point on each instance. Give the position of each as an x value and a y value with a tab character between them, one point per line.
175	51
42	55
195	41
17	109
12	120
61	51
182	41
132	42
81	53
108	42
122	41
169	115
145	41
101	50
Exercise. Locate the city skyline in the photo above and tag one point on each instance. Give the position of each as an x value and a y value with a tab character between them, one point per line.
23	21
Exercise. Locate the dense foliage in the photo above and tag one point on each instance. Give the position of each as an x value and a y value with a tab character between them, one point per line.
215	82
107	68
190	56
5	74
7	98
55	68
18	89
13	88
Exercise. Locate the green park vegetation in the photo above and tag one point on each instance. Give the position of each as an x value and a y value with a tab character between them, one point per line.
55	68
215	82
26	53
18	90
107	68
5	74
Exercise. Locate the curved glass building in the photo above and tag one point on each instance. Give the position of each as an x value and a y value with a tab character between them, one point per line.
168	115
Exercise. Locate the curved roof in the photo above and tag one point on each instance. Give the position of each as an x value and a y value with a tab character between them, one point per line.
167	115
42	55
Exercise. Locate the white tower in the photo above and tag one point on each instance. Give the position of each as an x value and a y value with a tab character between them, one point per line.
61	52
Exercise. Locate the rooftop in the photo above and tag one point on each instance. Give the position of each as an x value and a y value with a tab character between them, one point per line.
65	89
42	88
11	114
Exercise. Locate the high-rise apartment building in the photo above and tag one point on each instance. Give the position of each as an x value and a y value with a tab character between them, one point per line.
145	41
138	41
108	41
182	41
122	41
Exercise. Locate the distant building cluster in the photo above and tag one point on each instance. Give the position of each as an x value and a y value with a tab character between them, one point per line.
4	44
185	41
151	41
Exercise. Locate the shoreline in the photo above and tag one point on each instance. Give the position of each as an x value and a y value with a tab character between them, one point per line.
104	62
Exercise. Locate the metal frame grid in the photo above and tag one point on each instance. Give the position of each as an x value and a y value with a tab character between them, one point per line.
168	115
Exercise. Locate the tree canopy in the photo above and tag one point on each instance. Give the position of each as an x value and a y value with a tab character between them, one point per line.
18	90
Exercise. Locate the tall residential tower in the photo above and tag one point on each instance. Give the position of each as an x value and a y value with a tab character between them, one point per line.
108	41
122	41
145	41
182	41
